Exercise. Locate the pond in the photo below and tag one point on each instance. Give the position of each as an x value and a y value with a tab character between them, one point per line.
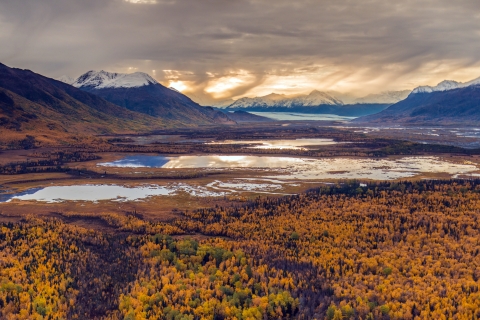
270	175
305	168
294	144
99	192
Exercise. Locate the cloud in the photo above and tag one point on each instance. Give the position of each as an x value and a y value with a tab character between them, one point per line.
283	46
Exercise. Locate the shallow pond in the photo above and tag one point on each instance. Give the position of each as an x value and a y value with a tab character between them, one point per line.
272	175
99	192
306	168
295	144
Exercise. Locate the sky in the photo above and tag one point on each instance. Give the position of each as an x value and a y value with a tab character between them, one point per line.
216	50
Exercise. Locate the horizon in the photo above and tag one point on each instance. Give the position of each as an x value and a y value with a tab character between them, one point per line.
336	94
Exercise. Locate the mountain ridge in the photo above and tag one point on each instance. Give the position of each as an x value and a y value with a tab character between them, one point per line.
52	110
141	93
446	85
459	106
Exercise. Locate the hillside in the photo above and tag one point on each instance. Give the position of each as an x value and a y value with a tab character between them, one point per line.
243	116
139	92
52	111
456	106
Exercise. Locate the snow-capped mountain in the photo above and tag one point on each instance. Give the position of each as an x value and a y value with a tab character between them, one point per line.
139	92
103	79
314	99
442	107
387	97
446	85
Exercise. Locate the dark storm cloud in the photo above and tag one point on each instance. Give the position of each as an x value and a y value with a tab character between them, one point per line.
363	40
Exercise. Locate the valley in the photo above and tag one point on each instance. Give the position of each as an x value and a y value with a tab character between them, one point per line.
163	174
239	160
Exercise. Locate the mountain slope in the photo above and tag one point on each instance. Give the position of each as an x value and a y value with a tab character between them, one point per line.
52	110
141	93
455	106
242	116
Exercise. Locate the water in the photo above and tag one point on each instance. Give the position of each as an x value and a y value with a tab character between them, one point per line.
305	168
8	197
101	192
272	176
138	161
286	116
294	144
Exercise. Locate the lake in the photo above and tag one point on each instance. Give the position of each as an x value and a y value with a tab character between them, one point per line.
268	174
286	116
294	144
304	168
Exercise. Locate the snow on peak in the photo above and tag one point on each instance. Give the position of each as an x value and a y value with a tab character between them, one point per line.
446	85
315	98
66	79
385	97
103	79
473	82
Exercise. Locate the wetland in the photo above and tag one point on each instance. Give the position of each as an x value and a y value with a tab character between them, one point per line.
186	169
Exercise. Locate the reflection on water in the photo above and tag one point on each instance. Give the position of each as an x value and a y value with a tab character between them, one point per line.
274	175
295	144
106	192
92	193
307	168
138	161
8	197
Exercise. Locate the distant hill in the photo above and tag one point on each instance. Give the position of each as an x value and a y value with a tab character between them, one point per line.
141	93
53	111
243	116
314	99
386	97
432	107
446	85
315	103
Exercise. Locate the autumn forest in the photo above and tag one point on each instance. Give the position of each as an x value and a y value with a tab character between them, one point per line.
396	250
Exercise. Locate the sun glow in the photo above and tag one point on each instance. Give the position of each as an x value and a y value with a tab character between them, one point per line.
221	87
178	85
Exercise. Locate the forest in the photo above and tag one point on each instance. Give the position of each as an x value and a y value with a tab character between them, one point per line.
384	250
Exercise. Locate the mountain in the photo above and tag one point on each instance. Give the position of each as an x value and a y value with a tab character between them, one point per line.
315	103
459	106
446	85
51	110
386	97
273	100
139	92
